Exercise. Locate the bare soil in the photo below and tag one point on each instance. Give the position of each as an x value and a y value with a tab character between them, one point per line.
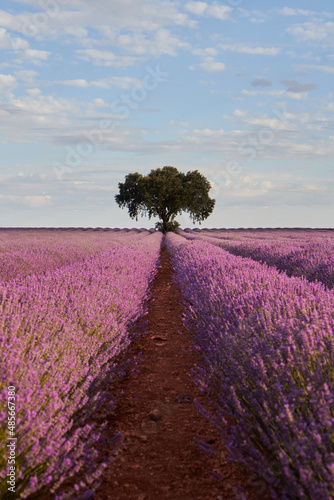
158	419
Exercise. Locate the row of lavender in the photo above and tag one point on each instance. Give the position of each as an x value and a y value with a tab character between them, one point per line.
62	333
307	254
266	343
31	251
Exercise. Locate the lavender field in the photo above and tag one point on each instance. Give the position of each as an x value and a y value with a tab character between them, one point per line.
266	344
259	306
304	253
67	300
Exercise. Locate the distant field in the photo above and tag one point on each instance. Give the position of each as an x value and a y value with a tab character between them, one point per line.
307	253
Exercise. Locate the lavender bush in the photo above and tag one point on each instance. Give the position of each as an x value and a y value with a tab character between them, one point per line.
36	251
266	345
307	254
61	334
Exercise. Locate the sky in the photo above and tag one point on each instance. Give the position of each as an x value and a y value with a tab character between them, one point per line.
240	90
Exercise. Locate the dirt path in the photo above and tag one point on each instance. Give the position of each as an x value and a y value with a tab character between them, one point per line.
158	419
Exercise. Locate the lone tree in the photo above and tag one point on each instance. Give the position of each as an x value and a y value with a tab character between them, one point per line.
164	193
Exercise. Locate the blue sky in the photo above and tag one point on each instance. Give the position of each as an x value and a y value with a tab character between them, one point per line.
240	90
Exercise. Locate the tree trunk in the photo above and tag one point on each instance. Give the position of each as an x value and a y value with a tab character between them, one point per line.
165	221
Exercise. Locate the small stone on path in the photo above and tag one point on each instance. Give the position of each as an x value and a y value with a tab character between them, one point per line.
155	415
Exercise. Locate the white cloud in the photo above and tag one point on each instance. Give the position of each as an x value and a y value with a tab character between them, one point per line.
75	17
35	56
253	190
21	48
221	12
326	69
100	103
123	82
261	143
182	124
314	32
274	92
80	82
8	42
11	21
7	84
34	116
163	42
27	76
212	66
37	201
38	104
287	11
105	58
197	8
272	124
255	16
240	113
299	96
207	132
209	51
281	113
257	20
286	121
245	49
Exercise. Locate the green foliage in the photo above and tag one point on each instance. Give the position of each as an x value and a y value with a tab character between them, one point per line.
171	226
165	193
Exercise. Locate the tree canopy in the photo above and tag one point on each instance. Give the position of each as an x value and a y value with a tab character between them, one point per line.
165	193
